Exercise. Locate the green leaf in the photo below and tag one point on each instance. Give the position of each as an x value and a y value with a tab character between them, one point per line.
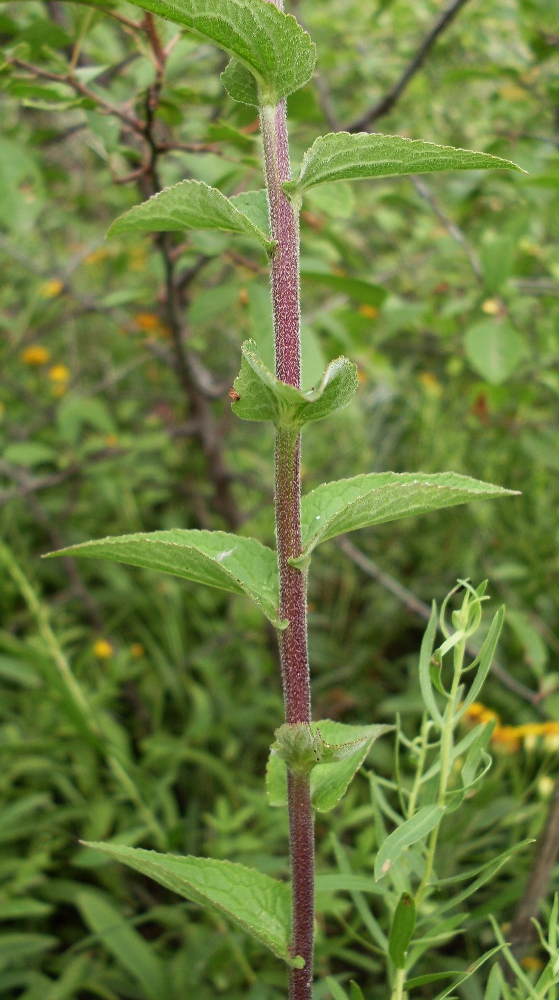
377	497
408	833
240	84
497	261
403	924
485	655
343	156
129	948
362	291
188	205
493	989
425	679
259	904
254	204
267	42
337	991
344	747
262	396
216	558
494	349
355	992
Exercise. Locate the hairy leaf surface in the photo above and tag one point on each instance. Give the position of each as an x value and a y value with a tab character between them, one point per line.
189	205
259	904
377	497
345	156
216	558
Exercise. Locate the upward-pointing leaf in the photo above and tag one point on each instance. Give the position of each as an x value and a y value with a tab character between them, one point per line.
376	497
342	156
189	205
216	558
269	43
259	904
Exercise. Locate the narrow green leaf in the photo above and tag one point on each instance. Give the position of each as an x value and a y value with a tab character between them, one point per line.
445	995
337	992
493	989
408	833
477	755
494	349
403	924
215	558
425	655
345	748
343	156
189	205
486	654
362	291
267	42
124	942
355	991
259	904
377	497
262	396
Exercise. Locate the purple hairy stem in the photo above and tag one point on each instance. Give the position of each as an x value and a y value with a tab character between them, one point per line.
284	226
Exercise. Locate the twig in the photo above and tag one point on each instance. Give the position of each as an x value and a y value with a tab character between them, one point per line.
389	100
416	606
522	931
425	192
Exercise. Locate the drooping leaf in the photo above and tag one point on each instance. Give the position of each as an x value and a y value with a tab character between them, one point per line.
270	44
188	205
216	558
345	156
262	396
344	747
494	349
124	942
403	924
259	904
377	497
403	836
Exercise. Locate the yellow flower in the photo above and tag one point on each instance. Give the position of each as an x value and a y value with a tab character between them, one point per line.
95	256
137	650
506	737
370	312
35	355
102	649
492	307
59	376
111	440
59	373
50	289
147	321
531	963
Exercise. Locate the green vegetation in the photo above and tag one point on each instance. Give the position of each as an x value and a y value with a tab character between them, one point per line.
138	709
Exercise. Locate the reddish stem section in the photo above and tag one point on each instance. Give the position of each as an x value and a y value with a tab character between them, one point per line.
301	842
293	584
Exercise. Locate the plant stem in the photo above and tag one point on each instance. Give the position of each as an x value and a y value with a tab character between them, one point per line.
293	584
398	990
447	736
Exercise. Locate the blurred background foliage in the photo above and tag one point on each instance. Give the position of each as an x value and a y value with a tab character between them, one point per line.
116	360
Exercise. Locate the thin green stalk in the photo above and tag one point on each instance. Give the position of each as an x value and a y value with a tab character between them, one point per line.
77	702
398	988
447	739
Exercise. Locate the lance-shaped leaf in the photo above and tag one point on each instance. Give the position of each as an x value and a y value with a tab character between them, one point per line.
259	395
188	205
216	558
342	750
408	833
342	156
269	43
259	904
376	497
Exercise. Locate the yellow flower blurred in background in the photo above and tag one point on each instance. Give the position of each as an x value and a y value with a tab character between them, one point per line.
35	355
50	289
102	649
59	376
